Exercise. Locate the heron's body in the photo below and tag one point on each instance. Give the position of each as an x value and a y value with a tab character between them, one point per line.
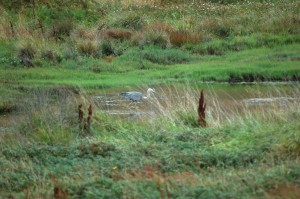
136	96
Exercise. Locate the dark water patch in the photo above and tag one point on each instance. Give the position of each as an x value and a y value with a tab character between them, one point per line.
257	78
247	77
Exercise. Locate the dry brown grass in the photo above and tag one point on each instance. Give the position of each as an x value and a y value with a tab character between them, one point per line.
153	36
284	191
180	38
84	33
118	34
110	58
87	47
159	26
177	38
152	173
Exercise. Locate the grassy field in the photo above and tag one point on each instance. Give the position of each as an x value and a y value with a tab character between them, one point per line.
48	66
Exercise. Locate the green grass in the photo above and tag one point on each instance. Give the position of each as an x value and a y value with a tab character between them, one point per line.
126	159
48	66
252	155
279	63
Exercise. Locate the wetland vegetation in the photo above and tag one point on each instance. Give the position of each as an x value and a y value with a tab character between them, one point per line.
66	133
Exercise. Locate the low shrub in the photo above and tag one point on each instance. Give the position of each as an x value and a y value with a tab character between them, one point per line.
88	48
26	55
61	29
176	38
50	55
219	27
180	38
159	26
6	107
156	38
118	34
84	33
106	48
69	52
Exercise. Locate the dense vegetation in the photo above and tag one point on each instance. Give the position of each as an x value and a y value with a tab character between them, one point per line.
143	33
54	54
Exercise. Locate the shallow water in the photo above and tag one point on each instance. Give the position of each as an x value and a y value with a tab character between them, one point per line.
231	98
169	99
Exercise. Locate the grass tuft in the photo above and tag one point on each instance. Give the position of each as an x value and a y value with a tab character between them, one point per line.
118	34
26	55
180	38
88	48
61	29
50	55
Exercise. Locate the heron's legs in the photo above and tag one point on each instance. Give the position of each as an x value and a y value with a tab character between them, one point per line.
132	102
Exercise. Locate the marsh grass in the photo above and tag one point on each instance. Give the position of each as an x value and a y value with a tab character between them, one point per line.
88	48
246	151
53	112
186	98
48	116
178	106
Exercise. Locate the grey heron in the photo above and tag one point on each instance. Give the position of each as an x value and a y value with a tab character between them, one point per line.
137	96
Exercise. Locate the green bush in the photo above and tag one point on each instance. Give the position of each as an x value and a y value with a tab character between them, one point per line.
107	48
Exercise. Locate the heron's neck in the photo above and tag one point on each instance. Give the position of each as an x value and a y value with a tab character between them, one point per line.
148	95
